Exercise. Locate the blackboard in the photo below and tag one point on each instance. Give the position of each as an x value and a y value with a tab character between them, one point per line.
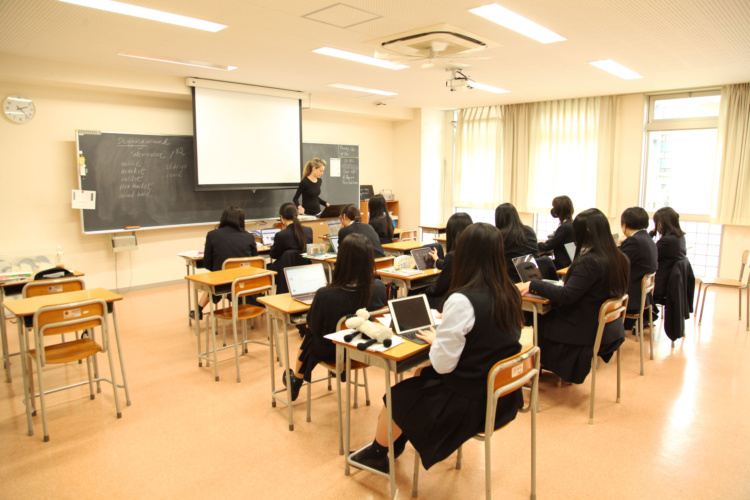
337	189
147	181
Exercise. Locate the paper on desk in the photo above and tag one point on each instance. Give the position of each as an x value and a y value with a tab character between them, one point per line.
401	272
335	165
84	199
193	254
339	337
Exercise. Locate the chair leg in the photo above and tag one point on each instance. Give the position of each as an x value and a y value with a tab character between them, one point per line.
367	387
459	457
356	389
651	329
236	350
30	371
415	480
534	397
41	395
740	304
309	397
488	467
619	375
91	379
703	304
640	340
96	373
593	388
341	414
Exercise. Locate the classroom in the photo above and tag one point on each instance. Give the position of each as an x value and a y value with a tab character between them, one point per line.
203	438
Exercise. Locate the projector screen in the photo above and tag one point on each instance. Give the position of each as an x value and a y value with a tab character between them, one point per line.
246	141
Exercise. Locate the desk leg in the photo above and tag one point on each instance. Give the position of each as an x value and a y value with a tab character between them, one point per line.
347	436
271	336
210	332
536	326
26	392
122	358
190	306
285	337
389	405
4	333
198	327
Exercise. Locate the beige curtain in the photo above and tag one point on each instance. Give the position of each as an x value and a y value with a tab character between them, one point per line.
478	180
732	191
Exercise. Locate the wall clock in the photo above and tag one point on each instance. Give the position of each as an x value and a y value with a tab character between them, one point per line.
19	109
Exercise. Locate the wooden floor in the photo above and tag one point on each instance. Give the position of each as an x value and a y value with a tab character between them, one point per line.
682	431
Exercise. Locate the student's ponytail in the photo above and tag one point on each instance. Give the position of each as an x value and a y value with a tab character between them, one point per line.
289	212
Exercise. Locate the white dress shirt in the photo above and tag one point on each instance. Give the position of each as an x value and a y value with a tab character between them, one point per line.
458	320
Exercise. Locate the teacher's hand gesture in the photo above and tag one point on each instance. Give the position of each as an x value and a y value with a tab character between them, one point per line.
300	209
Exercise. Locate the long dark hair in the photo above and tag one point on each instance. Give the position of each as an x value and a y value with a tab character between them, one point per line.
351	212
562	208
455	226
355	267
378	208
593	235
667	222
289	212
479	262
233	216
510	225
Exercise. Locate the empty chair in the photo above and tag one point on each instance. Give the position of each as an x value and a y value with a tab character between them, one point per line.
728	283
408	235
647	287
505	377
611	310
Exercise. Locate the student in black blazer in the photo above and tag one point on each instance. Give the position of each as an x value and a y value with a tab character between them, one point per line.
350	224
229	240
598	273
670	248
562	208
518	239
453	229
640	250
293	236
380	219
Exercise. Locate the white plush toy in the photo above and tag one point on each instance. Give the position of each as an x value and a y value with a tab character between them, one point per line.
372	330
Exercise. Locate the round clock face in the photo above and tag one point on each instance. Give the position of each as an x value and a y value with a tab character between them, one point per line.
18	109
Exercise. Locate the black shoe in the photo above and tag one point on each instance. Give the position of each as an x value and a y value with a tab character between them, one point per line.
296	383
200	315
369	458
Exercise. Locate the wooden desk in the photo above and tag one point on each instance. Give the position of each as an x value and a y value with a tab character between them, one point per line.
330	262
537	306
401	247
210	282
408	282
25	308
563	271
3	332
282	308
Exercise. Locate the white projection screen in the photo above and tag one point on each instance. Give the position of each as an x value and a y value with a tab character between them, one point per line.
245	140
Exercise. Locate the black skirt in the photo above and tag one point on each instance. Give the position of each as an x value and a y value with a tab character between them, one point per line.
438	418
572	362
314	350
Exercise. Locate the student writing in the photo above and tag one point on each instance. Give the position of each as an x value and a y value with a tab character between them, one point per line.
350	224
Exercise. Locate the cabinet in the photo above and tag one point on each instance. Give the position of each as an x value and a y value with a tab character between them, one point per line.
392	208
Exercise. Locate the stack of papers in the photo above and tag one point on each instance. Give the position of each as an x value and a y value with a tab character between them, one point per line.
401	272
377	347
17	276
191	254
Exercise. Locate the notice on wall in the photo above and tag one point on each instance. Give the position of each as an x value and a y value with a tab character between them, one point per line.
335	167
85	200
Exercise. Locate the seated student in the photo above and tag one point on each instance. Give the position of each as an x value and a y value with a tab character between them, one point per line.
352	287
444	405
350	224
453	229
293	236
562	208
518	239
229	240
640	250
670	248
598	273
380	219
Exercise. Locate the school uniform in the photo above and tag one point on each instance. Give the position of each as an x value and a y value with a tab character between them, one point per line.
513	250
381	224
226	243
566	335
436	291
328	307
640	250
366	230
669	249
310	192
445	406
285	240
556	244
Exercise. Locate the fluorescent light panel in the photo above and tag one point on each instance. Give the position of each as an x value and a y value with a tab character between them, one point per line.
519	24
351	56
144	13
361	89
487	88
616	69
186	62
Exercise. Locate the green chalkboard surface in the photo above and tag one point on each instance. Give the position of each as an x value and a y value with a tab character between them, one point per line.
147	181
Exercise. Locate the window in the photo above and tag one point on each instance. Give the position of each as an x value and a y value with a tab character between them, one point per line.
544	225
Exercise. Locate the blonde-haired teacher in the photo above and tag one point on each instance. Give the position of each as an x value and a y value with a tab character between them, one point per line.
309	187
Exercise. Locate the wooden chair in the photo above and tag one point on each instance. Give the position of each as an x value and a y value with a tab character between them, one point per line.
647	287
241	287
55	320
611	310
334	371
728	283
505	377
408	235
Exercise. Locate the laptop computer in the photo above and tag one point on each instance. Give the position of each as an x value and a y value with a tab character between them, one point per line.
333	226
267	235
304	281
334	243
422	258
410	314
528	270
331	211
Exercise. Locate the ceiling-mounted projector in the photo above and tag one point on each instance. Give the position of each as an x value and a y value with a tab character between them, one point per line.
458	81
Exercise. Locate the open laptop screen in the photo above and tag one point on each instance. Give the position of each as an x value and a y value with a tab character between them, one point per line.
527	268
333	226
305	279
410	312
267	236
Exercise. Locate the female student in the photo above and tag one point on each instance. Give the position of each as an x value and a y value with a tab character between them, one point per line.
640	250
445	404
598	273
352	287
518	239
670	248
228	241
380	219
350	224
309	187
293	236
562	208
453	229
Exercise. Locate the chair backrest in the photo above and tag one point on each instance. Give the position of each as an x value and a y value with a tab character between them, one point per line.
236	262
251	285
743	266
408	235
506	376
611	310
647	286
383	262
68	318
48	287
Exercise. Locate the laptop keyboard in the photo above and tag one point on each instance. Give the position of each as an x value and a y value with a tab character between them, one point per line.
412	335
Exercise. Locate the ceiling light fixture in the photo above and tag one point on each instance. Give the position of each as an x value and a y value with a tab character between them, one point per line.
145	13
459	81
616	69
361	89
351	56
174	60
519	24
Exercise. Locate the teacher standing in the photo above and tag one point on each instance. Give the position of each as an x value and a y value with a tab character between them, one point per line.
309	187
